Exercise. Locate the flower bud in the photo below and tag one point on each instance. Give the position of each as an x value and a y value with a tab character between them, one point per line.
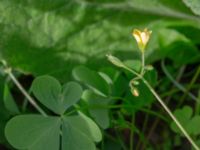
149	67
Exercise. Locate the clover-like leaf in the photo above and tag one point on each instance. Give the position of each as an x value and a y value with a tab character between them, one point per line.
36	132
33	132
92	79
189	122
97	108
55	97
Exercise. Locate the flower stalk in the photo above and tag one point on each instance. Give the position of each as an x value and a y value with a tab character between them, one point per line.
142	38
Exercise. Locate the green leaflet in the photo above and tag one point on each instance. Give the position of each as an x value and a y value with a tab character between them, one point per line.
92	79
190	123
36	132
55	97
39	133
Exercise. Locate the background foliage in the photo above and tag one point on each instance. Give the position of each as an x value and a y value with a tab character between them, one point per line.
40	37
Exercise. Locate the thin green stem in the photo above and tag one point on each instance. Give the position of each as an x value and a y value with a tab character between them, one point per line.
155	123
20	87
165	107
143	63
25	102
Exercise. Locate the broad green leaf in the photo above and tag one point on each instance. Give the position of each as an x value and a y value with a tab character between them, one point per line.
92	79
50	93
178	44
162	7
87	127
194	5
9	101
97	108
45	37
36	132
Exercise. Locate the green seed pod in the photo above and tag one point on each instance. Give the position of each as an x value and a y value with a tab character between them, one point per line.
149	67
135	82
114	60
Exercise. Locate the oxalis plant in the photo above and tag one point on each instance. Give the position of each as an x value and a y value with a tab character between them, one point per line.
60	124
142	38
63	121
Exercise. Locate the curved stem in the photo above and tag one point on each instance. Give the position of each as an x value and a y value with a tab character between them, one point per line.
192	82
178	85
29	98
165	107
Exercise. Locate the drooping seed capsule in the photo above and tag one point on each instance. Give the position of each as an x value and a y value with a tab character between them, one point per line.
135	92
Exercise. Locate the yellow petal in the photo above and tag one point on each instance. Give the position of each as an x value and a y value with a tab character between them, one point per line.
142	38
137	35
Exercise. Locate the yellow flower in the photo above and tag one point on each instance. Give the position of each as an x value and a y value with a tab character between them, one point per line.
142	38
